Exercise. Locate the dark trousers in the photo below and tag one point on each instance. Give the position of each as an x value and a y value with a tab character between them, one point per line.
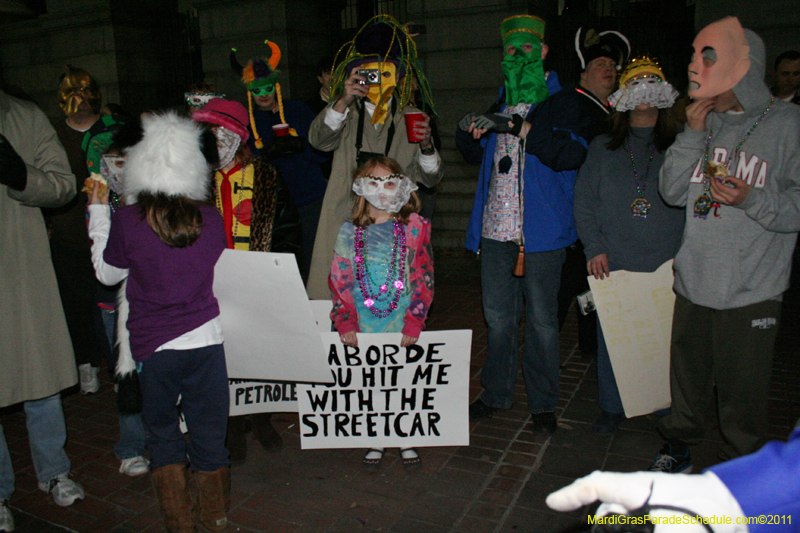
731	349
200	377
573	283
309	220
77	287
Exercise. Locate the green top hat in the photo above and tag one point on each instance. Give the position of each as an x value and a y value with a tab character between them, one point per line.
520	25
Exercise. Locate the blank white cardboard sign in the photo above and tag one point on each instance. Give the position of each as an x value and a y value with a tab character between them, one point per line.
247	397
270	332
321	309
635	310
389	396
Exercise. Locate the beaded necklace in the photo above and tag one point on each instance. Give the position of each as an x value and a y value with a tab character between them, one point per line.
394	275
703	204
640	206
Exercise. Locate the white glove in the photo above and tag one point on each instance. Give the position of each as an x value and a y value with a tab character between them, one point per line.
701	495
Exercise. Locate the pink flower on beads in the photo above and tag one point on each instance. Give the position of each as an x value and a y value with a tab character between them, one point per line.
398	285
369	302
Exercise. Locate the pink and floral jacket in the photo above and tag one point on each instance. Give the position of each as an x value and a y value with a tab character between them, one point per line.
342	282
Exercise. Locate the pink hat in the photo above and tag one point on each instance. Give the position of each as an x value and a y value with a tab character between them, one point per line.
226	113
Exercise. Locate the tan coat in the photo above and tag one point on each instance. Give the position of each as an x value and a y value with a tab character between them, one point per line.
35	352
337	206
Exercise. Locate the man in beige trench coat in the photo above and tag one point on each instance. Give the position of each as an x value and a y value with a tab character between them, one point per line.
381	46
36	353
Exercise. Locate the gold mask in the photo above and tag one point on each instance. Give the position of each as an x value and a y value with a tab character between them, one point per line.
380	94
76	86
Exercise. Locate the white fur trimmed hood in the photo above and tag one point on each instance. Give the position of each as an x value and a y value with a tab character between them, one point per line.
169	159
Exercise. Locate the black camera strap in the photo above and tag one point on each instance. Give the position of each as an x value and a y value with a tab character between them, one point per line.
360	129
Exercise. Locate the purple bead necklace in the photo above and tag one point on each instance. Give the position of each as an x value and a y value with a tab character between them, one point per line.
394	275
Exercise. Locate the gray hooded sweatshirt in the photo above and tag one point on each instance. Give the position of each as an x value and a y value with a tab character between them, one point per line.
740	255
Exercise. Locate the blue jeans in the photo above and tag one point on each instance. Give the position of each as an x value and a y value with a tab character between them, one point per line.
608	393
131	430
199	376
109	317
47	434
503	298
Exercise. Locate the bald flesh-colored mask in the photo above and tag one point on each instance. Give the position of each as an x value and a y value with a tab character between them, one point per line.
719	60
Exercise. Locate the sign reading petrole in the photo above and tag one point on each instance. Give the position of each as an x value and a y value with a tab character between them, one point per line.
248	397
390	396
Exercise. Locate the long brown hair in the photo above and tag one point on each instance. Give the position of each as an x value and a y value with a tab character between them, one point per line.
361	217
176	220
663	134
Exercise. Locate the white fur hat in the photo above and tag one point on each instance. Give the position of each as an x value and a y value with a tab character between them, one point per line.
170	159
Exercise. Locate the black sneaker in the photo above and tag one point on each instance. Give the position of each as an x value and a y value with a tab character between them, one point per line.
544	423
607	423
478	410
672	458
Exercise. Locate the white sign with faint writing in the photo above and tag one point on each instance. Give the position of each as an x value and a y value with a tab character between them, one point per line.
386	395
269	329
635	310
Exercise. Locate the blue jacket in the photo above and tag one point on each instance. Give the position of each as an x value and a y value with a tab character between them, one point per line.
555	150
302	172
766	483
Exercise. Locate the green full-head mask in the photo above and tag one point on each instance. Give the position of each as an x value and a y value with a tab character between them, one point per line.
524	69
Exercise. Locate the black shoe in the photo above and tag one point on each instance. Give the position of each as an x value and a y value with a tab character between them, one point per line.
478	410
544	423
673	458
607	423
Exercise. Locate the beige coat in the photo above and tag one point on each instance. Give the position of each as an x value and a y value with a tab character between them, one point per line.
337	205
35	352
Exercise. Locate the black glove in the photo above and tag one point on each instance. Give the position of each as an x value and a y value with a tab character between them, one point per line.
513	130
13	172
498	122
129	394
484	122
283	147
468	119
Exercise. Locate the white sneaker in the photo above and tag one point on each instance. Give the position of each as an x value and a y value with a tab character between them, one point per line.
64	490
134	466
89	381
6	519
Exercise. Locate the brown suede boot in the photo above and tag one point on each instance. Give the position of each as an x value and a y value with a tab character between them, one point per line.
265	432
171	485
214	491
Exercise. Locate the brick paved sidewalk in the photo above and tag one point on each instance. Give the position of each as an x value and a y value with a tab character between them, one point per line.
498	483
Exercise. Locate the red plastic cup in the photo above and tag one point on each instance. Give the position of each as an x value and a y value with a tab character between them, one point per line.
412	117
281	130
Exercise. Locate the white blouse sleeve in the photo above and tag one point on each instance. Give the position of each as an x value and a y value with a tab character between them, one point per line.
99	227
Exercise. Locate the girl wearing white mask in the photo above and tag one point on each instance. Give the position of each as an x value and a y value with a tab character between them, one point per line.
382	271
259	216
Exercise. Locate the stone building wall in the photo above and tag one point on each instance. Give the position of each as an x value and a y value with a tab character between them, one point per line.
133	49
302	30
